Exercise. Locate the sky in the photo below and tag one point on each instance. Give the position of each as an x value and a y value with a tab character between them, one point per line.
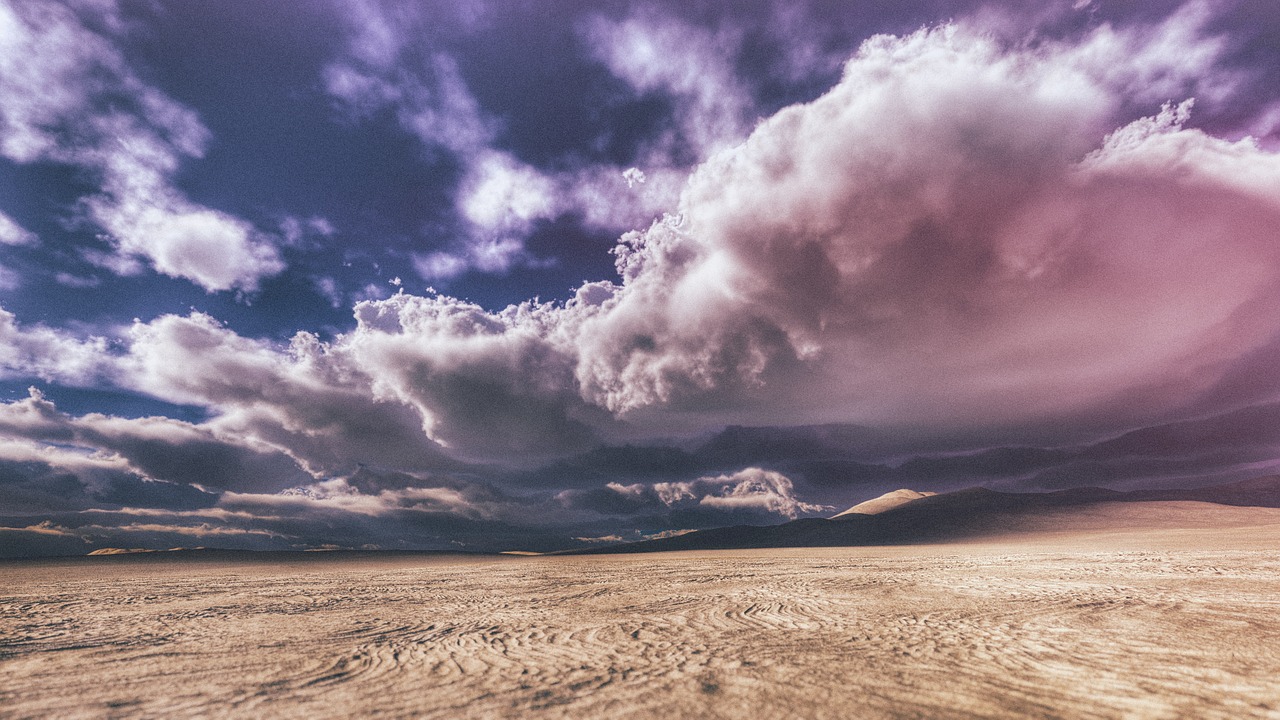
493	275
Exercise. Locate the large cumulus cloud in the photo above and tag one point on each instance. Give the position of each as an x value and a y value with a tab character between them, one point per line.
940	240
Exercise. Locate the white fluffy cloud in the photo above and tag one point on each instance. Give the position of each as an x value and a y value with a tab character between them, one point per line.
49	354
67	95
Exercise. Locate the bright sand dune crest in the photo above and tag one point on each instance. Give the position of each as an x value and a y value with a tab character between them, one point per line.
885	502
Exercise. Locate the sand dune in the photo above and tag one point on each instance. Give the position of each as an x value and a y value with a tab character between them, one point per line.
1142	624
120	551
884	503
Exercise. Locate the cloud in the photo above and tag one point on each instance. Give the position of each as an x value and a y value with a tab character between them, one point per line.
75	281
49	354
504	197
956	239
79	534
487	386
1152	63
949	239
751	490
307	400
37	478
656	53
937	241
601	539
247	523
68	95
499	197
153	448
9	279
395	61
375	493
87	532
11	233
299	232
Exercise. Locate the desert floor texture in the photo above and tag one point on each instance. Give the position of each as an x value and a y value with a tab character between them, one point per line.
1150	624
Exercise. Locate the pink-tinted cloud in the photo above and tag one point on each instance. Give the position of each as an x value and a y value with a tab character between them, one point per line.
946	239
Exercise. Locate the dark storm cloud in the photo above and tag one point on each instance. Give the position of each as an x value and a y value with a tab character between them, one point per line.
155	448
1237	444
135	492
32	486
629	463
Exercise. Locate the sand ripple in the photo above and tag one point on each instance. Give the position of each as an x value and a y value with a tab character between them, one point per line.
838	633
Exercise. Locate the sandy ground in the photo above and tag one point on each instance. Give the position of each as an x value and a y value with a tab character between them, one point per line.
1138	624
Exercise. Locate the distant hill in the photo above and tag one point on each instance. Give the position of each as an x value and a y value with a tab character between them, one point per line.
963	514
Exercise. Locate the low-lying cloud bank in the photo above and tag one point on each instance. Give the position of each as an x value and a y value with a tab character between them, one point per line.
956	246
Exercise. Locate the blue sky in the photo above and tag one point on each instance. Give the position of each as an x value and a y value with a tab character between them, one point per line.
393	273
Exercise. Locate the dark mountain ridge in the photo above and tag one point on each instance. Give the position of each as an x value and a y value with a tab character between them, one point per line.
970	513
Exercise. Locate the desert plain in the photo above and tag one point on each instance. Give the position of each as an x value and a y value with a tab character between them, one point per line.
1133	619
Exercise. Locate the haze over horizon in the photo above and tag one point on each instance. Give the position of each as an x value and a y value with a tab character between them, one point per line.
487	276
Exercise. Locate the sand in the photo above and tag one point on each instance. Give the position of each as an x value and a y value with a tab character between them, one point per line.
885	502
1144	624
